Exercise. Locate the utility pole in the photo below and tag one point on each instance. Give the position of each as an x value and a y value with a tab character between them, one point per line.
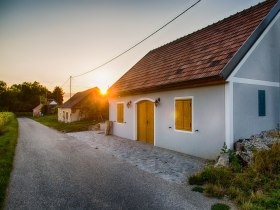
70	85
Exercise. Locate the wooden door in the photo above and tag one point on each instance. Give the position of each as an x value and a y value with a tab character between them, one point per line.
145	121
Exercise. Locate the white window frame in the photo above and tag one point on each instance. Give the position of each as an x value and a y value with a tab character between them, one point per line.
174	117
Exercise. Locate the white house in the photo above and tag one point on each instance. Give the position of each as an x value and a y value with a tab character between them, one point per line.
89	104
216	85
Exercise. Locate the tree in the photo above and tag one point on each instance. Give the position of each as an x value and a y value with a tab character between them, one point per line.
57	95
3	96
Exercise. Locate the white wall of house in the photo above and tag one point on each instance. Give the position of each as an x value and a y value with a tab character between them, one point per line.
72	116
259	70
208	120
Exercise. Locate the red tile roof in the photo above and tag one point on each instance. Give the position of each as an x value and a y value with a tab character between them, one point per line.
199	56
76	100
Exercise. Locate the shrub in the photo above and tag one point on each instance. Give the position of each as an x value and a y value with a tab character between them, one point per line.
255	187
234	162
198	189
220	206
213	190
267	162
5	117
212	175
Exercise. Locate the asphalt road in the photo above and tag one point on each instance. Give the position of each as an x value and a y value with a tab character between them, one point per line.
56	171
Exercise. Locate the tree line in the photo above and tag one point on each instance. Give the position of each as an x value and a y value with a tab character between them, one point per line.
26	96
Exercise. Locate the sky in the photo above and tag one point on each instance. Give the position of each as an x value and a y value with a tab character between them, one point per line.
49	41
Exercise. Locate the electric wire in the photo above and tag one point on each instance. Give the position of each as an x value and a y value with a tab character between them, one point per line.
64	83
138	43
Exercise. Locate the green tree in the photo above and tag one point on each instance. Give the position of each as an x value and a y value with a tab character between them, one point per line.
3	96
57	95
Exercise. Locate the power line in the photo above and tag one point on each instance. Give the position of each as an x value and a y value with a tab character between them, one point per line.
138	43
65	82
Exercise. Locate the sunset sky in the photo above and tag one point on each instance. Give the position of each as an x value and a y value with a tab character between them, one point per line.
50	40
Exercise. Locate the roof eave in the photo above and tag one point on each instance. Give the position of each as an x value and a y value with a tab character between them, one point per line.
213	80
239	55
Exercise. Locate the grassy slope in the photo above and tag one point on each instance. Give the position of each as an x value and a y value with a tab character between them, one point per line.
256	187
8	141
51	121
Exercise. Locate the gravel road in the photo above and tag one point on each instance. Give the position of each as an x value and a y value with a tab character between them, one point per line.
53	170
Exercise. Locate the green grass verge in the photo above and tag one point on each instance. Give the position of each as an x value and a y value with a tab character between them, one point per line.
8	141
256	187
220	206
51	121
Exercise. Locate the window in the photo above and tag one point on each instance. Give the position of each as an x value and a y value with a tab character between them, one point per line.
261	95
120	113
183	114
63	114
66	115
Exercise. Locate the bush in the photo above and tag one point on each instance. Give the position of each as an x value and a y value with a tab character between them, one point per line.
267	162
213	190
212	175
198	189
234	162
255	187
5	117
220	206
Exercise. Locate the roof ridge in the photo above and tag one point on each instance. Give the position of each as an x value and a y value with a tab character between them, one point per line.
213	24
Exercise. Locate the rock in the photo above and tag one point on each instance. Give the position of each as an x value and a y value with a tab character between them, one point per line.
239	146
245	158
108	127
223	160
244	148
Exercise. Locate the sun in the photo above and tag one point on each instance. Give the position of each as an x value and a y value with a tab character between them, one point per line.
103	90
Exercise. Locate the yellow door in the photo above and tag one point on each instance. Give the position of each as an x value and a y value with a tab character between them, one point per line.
145	121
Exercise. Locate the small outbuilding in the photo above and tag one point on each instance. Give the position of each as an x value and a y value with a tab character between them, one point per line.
89	104
37	111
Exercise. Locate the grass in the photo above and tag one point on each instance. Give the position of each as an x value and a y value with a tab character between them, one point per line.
51	121
254	187
198	189
220	206
8	141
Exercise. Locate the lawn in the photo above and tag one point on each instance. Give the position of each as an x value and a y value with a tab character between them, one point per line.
51	121
8	141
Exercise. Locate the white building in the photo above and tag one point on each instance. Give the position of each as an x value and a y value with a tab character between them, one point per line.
216	85
89	104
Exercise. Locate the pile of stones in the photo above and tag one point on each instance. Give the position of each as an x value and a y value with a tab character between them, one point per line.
245	148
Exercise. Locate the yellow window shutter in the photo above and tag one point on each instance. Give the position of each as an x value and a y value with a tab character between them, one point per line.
188	114
179	113
120	113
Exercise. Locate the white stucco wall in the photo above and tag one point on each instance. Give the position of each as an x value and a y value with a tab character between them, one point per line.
208	119
72	117
258	70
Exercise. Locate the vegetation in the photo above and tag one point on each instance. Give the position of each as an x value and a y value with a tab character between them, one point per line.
51	121
254	187
220	206
198	189
8	141
24	97
5	117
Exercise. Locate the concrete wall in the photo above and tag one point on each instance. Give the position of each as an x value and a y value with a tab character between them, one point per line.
259	70
208	119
